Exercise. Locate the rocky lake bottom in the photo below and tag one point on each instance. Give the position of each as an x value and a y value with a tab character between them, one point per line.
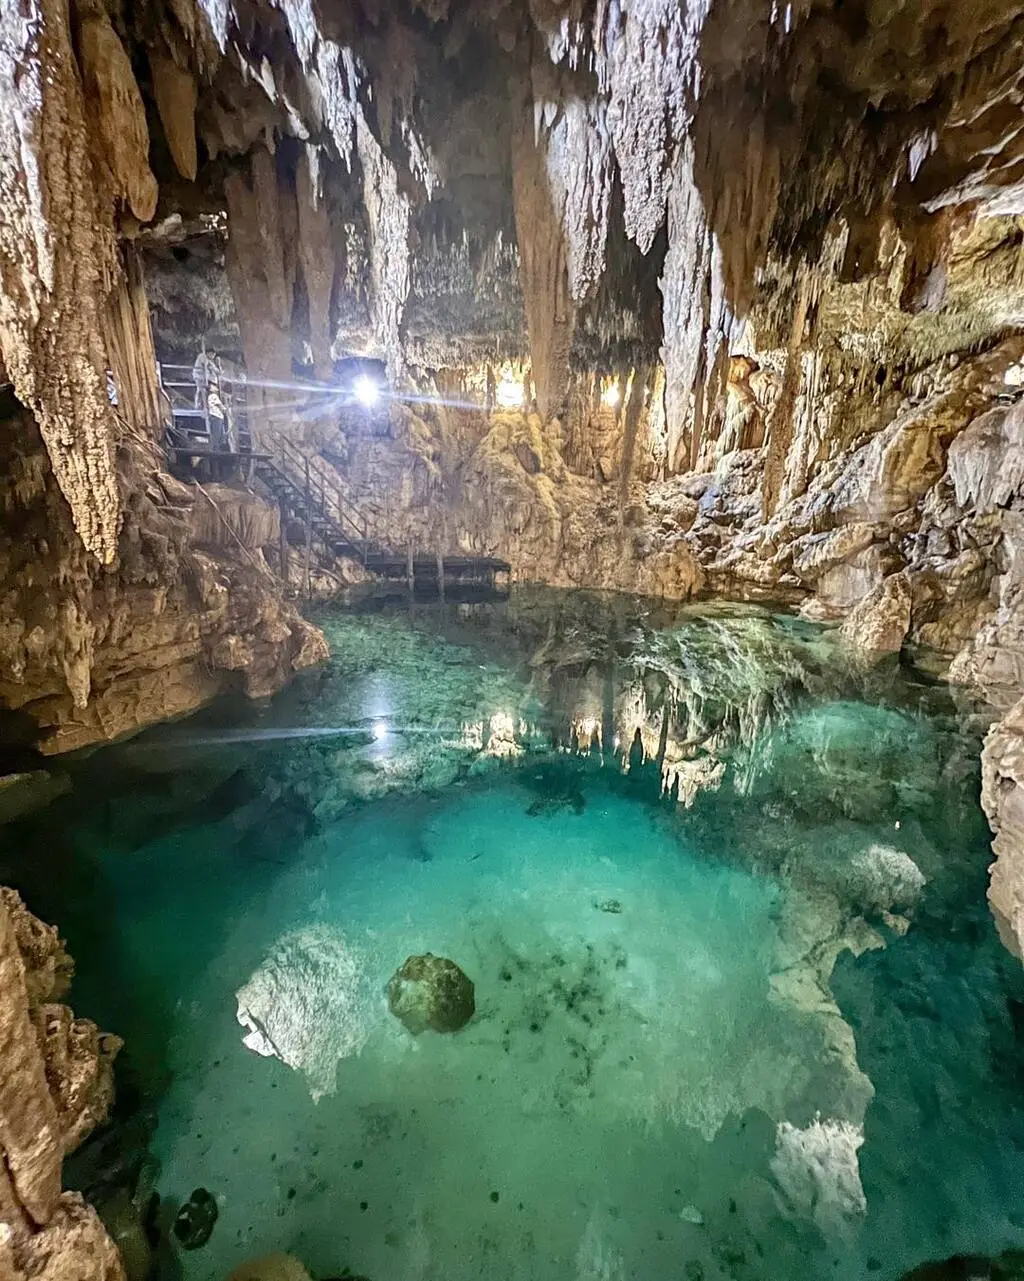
740	1008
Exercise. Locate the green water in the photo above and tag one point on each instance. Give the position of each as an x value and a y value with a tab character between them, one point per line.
741	1010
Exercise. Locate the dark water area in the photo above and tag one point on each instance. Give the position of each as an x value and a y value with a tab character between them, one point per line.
741	1010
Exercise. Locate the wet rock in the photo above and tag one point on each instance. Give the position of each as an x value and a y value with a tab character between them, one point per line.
1002	797
880	623
194	1222
271	1267
431	992
56	1083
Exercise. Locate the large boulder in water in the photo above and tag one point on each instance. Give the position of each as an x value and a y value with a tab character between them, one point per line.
431	992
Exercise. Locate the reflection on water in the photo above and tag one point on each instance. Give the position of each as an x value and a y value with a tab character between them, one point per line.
740	1010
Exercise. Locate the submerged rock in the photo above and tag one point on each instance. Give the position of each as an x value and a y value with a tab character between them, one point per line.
1006	1267
818	1169
128	1230
194	1223
1002	796
271	1267
431	992
305	1005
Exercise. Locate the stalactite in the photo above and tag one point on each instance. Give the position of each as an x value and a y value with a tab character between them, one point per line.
927	240
387	213
114	104
316	258
781	428
56	257
175	91
647	66
266	339
274	243
579	164
331	75
543	266
129	342
696	317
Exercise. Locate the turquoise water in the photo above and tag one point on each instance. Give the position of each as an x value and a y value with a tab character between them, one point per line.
740	1008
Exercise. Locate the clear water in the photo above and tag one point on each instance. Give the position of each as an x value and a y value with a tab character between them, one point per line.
741	1011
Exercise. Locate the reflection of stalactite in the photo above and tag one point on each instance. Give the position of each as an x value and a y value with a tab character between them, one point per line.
56	257
543	267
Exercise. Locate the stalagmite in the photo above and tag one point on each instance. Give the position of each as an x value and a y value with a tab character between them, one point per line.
56	259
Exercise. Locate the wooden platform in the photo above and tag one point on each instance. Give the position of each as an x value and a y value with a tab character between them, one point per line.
205	451
456	569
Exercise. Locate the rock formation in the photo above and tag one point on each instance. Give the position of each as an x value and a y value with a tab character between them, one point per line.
1002	794
431	993
717	298
57	1085
188	608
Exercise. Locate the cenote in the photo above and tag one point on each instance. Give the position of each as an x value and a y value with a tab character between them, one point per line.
740	1007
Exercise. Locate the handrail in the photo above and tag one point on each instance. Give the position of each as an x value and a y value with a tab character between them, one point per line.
309	473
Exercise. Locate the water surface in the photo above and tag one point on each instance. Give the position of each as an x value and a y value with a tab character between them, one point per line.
741	1010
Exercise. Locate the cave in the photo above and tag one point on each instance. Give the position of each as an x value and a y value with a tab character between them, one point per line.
511	640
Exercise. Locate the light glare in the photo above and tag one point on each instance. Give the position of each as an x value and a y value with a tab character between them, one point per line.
610	396
366	391
509	393
380	729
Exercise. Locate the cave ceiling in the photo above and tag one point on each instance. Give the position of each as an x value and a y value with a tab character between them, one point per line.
594	184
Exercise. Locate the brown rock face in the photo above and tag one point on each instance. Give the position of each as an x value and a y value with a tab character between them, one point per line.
56	1086
880	622
188	610
431	992
1002	795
